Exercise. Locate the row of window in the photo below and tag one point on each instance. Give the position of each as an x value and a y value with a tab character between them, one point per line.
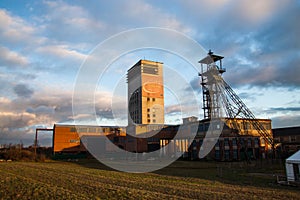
153	121
227	154
150	70
248	126
93	130
149	99
217	126
242	142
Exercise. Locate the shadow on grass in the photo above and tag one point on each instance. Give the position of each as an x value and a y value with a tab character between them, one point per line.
262	174
257	174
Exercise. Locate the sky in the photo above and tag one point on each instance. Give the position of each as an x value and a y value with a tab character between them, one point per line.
44	44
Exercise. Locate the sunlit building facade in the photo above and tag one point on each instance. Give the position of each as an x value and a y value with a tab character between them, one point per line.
145	93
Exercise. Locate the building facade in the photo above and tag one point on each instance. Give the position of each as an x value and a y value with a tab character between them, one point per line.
67	138
288	139
145	93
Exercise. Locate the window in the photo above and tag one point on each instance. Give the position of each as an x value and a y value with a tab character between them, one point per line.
148	120
242	142
267	126
73	129
148	110
293	138
82	130
227	154
153	115
235	154
234	142
226	142
154	121
217	154
148	115
249	142
153	99
150	70
148	99
92	130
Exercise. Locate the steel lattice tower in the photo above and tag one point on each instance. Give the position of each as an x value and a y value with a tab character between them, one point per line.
220	101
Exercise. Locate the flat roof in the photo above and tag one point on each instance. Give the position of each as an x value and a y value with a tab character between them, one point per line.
86	126
141	61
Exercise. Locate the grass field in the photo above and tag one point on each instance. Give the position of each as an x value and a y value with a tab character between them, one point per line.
181	180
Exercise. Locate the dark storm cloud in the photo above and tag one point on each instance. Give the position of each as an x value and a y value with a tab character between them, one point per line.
23	90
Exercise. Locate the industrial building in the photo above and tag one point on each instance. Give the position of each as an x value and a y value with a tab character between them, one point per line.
67	138
288	139
145	93
242	136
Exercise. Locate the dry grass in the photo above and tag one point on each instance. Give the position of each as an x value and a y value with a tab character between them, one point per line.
182	180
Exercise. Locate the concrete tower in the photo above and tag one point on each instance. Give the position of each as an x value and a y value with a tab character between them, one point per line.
145	93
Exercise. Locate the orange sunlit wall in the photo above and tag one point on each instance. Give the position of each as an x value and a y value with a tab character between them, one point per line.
65	138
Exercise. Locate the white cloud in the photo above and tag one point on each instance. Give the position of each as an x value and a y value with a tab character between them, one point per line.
257	11
77	22
15	120
148	15
10	58
61	51
15	30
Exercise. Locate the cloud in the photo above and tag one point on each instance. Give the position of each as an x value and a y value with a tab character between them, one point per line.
173	109
23	90
262	55
61	51
285	121
195	85
283	109
13	27
149	15
10	120
10	58
263	10
15	31
259	40
78	24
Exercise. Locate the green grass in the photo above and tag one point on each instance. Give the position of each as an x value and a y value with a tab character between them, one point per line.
181	180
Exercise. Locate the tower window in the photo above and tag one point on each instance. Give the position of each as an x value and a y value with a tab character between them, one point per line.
148	110
153	99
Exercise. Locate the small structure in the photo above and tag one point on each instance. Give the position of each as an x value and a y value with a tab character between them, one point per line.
292	166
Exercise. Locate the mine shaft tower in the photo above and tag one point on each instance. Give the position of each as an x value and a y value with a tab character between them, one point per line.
210	92
221	102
